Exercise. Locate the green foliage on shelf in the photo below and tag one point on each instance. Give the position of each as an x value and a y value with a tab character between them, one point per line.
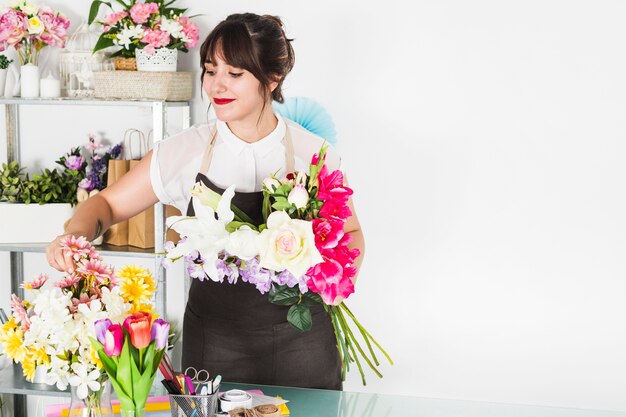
4	62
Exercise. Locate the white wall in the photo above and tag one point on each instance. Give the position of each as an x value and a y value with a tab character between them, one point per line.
485	142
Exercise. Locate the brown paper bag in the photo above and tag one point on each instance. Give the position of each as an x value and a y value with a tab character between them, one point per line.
141	226
172	235
118	233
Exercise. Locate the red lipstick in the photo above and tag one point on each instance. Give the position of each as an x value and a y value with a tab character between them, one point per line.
221	101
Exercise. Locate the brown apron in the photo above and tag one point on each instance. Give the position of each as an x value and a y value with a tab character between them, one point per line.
234	331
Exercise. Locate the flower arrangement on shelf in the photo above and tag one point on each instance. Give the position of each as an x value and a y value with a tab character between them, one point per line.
144	25
29	28
299	256
52	329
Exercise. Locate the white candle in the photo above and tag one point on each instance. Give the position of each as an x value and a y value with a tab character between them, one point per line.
29	81
50	87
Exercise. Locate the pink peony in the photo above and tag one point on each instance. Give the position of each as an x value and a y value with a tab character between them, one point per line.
330	280
155	39
13	28
327	233
112	18
56	26
140	12
191	31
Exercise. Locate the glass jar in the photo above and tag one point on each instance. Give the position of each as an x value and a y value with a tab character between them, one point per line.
96	404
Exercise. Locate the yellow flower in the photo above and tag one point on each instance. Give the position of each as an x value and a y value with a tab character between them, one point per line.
146	308
95	359
9	325
28	366
137	284
40	355
35	26
14	345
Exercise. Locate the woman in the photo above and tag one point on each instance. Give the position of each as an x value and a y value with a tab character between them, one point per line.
231	330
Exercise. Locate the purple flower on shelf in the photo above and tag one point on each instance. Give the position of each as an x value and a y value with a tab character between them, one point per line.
74	162
86	184
116	151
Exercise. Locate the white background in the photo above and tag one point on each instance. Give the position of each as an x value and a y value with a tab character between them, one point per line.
485	142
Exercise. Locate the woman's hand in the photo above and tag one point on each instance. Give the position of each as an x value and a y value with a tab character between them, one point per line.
58	257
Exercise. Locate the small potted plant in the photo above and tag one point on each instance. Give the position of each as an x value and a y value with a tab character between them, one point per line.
4	68
151	32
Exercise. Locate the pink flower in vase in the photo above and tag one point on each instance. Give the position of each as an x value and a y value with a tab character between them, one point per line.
19	312
79	247
36	283
56	26
69	281
13	28
112	18
155	39
101	272
140	12
191	32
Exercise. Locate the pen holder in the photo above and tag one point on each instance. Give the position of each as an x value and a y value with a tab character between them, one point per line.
193	405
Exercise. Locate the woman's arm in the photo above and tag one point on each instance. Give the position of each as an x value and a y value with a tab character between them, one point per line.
122	200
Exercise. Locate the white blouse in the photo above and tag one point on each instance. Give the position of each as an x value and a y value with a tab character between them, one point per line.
176	160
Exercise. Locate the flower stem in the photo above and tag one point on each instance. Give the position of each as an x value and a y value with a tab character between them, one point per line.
341	346
365	337
349	313
344	326
358	346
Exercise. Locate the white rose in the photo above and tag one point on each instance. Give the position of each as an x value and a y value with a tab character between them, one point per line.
30	9
288	244
298	196
242	243
35	26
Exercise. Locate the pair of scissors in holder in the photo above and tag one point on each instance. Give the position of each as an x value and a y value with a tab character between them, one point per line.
198	377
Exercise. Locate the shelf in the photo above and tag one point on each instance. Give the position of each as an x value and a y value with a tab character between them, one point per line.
12	382
104	249
90	102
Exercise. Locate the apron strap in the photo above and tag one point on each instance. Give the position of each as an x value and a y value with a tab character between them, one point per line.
208	153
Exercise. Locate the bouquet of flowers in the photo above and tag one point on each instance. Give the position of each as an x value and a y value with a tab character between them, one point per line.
131	355
88	166
138	25
300	256
52	330
28	28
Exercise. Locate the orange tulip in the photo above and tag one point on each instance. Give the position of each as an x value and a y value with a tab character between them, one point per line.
138	326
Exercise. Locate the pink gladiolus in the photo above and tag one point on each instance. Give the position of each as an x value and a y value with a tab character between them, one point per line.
140	12
138	326
112	18
335	210
341	253
327	233
329	281
331	186
114	340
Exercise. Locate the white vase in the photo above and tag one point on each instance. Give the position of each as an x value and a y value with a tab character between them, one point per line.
40	375
3	80
29	81
163	59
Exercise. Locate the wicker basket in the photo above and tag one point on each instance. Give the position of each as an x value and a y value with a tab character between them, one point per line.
125	64
137	85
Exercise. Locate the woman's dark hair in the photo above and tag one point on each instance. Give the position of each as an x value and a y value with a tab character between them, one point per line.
255	43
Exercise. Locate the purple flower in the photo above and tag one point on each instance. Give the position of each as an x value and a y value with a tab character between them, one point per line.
116	151
159	333
227	270
93	143
86	184
101	326
254	274
196	270
74	162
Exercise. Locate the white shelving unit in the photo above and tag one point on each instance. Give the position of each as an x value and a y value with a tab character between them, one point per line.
11	381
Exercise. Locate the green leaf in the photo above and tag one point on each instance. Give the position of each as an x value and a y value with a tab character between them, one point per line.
93	10
126	400
103	42
299	316
234	225
310	298
281	205
283	295
124	372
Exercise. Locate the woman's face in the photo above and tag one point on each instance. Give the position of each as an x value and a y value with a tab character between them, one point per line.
233	91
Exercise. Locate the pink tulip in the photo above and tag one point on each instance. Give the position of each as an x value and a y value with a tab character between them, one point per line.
114	340
138	326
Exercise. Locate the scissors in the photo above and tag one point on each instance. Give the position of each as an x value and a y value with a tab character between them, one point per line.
192	375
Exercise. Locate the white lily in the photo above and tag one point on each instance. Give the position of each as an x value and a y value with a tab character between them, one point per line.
84	380
205	232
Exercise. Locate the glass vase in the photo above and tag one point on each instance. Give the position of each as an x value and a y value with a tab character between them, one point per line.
28	52
131	412
96	404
